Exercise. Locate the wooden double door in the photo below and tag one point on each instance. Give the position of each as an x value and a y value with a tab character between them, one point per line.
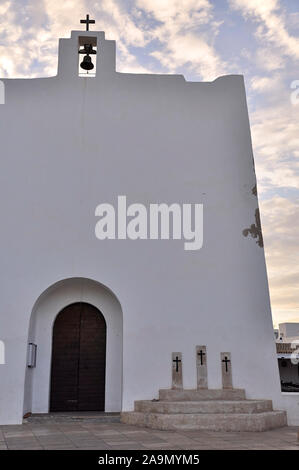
78	359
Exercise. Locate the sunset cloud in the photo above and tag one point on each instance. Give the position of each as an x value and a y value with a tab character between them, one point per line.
272	24
280	220
184	42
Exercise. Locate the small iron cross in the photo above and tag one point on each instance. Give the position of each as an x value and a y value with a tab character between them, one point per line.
226	361
177	360
201	354
87	22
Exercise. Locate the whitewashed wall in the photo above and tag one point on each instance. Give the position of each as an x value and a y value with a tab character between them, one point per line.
70	143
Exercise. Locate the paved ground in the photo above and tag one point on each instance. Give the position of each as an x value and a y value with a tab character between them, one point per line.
49	434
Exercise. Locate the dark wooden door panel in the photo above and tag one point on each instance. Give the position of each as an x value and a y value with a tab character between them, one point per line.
65	359
78	360
91	387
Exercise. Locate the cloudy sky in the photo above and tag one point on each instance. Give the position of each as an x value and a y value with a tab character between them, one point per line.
201	39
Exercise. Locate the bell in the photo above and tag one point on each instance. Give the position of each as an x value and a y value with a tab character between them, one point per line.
87	64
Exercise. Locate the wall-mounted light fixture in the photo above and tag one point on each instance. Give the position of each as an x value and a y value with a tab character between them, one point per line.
31	361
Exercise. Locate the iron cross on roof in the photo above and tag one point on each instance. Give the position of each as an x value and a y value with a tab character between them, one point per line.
87	21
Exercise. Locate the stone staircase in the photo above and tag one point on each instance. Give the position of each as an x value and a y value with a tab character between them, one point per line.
211	410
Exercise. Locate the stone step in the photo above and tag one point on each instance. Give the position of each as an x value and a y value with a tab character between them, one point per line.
70	416
210	422
200	395
206	406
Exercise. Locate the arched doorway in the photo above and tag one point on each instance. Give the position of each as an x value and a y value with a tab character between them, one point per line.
44	313
78	359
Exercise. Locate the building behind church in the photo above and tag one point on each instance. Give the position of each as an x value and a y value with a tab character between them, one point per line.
287	346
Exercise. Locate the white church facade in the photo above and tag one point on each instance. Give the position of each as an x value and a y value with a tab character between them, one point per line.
99	322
